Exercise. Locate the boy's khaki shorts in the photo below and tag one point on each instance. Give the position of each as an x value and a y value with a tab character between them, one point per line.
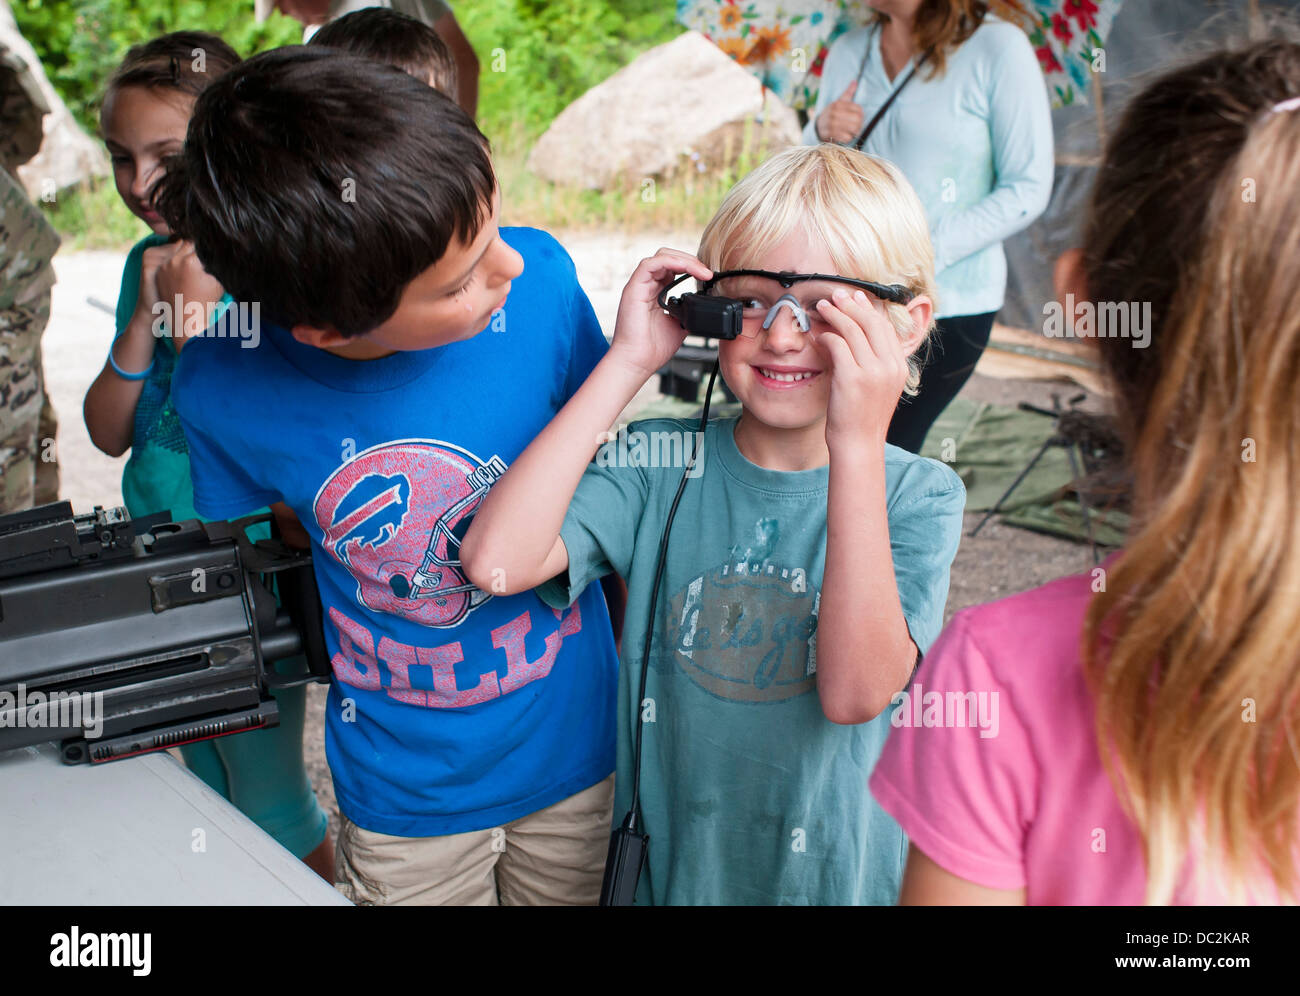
553	857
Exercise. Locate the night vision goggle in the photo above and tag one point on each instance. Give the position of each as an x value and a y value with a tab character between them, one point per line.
717	317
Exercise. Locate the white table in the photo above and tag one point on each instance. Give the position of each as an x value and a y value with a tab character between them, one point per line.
142	831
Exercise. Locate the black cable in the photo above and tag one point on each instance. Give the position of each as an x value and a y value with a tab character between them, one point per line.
634	815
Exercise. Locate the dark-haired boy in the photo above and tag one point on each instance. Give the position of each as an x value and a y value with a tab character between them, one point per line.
387	36
407	355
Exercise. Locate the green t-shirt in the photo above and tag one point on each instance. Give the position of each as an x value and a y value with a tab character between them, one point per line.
157	475
749	793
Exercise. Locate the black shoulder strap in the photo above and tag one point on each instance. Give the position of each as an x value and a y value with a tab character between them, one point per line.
892	97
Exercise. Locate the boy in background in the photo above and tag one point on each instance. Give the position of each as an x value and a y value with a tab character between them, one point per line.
433	14
387	36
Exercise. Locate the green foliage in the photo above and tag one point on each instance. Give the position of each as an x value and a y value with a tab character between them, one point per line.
93	216
537	57
81	42
546	54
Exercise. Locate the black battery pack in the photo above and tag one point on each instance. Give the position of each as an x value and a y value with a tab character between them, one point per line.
627	853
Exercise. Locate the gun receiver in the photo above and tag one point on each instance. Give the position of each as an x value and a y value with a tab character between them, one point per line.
119	637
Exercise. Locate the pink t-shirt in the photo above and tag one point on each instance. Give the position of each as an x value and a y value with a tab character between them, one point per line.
1005	787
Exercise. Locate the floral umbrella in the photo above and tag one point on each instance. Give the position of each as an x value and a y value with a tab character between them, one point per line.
784	42
1067	40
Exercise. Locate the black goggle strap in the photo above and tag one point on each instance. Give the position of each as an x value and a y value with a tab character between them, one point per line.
896	293
673	307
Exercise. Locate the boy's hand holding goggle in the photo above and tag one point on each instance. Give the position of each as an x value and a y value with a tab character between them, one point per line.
645	336
868	365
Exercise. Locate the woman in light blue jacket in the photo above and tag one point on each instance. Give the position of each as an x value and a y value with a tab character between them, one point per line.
972	132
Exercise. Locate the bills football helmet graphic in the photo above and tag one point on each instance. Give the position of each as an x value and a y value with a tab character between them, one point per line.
394	516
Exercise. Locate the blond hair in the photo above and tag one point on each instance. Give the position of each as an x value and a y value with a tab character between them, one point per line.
1192	650
861	207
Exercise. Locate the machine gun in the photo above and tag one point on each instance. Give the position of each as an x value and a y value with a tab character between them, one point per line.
163	630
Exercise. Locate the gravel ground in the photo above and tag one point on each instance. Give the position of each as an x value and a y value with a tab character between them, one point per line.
1000	561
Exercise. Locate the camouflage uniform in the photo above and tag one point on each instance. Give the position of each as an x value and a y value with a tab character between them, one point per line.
29	472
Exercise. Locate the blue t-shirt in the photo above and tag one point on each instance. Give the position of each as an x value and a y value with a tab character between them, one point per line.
749	793
451	709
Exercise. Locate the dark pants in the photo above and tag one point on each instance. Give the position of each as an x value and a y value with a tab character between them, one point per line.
955	348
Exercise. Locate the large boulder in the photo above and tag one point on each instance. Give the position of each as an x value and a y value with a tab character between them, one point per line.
68	155
682	100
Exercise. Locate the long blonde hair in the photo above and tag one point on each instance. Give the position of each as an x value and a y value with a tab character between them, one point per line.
1193	649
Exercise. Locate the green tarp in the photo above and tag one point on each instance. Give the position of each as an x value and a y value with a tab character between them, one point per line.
987	445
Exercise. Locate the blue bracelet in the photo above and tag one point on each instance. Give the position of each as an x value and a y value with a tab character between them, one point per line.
122	373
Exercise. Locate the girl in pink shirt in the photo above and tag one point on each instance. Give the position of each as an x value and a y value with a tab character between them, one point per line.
1180	654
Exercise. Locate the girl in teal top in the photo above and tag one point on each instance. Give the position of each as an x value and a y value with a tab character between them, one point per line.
145	113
